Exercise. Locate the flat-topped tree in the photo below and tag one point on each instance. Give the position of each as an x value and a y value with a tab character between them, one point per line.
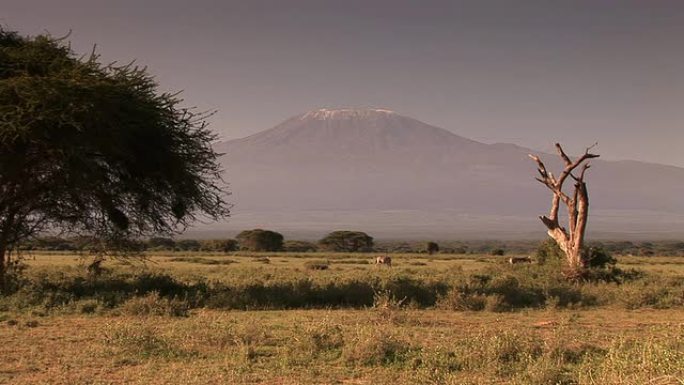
569	240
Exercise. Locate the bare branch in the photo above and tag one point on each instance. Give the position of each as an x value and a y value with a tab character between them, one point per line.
562	154
578	206
573	165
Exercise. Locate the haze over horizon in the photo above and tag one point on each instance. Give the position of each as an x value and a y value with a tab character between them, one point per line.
397	177
531	73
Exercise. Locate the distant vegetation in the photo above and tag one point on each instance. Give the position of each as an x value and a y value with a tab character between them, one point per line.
432	247
347	241
260	240
287	281
299	246
541	250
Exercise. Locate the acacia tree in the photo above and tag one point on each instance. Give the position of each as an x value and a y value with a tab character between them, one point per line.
96	150
347	241
570	240
260	240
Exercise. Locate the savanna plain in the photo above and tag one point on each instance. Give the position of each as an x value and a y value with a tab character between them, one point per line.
333	318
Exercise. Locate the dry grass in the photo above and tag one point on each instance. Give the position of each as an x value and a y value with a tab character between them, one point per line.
327	347
144	342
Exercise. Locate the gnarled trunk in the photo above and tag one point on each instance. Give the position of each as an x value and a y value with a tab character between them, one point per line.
569	240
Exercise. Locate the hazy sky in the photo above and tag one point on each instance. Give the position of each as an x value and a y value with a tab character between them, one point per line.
527	72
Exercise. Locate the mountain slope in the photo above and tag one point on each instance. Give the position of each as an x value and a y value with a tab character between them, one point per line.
366	163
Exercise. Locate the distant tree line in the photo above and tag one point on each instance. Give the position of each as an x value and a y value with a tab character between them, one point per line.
351	241
257	240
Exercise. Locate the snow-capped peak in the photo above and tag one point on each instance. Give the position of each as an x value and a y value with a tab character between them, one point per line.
345	113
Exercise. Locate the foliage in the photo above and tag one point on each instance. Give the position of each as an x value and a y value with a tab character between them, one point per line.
548	251
670	248
299	246
597	257
594	256
219	245
96	149
260	240
314	283
347	241
431	248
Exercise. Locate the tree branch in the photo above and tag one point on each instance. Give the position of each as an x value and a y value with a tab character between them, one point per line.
578	206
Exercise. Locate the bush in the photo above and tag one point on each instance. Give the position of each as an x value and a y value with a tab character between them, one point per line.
548	251
597	257
431	247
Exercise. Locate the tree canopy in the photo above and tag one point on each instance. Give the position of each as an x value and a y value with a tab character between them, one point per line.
260	240
96	149
432	247
347	241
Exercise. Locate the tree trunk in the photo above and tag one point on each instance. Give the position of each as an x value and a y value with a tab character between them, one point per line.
569	240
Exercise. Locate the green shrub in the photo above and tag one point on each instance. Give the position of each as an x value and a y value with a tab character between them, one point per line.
548	251
597	257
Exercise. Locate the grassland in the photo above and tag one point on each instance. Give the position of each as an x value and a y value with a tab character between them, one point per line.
190	318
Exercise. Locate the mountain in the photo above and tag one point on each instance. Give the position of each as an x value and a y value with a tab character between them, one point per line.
394	176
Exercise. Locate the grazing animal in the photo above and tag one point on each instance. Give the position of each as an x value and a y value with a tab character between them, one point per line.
384	260
514	260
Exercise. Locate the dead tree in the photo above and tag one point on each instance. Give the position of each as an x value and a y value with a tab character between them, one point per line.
569	240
